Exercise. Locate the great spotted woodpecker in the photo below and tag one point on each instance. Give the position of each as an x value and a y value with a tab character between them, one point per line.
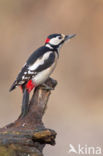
41	63
39	66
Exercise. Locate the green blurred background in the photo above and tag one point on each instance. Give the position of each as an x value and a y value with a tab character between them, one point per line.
75	108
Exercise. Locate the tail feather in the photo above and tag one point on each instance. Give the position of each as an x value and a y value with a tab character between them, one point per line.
13	86
25	103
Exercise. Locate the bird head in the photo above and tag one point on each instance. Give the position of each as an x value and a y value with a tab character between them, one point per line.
56	40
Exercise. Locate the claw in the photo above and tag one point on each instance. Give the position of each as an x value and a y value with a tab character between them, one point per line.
46	87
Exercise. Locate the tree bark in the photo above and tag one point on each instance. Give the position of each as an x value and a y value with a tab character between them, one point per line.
27	136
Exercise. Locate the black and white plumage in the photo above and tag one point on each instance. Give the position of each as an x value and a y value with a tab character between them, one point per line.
41	63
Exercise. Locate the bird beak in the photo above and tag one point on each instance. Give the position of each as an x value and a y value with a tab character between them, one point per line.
67	37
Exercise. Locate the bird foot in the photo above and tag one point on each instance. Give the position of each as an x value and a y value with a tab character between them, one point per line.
46	87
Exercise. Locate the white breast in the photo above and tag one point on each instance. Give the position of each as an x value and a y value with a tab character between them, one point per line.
42	76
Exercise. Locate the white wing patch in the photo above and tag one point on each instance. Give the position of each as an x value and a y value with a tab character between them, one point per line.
39	61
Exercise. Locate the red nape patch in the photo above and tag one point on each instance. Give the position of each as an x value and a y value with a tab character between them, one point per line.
47	40
30	85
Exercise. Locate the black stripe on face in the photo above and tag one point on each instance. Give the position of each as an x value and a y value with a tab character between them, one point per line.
55	47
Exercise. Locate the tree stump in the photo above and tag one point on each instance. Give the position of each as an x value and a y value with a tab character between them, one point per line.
28	136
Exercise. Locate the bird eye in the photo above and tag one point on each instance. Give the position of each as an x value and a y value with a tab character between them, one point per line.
60	37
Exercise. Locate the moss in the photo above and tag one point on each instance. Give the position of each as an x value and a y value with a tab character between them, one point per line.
7	151
16	150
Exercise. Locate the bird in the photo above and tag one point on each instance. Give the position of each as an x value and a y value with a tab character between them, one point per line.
41	63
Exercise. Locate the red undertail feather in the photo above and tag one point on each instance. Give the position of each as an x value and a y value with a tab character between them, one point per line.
30	85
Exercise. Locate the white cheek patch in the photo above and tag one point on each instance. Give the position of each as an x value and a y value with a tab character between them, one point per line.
55	41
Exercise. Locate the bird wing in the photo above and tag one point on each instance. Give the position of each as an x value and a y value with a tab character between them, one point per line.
38	61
